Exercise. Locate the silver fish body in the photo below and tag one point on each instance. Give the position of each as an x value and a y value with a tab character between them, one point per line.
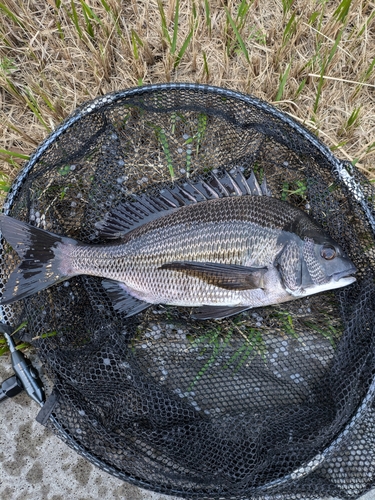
223	255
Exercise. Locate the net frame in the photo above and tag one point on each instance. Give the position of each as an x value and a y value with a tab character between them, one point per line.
339	168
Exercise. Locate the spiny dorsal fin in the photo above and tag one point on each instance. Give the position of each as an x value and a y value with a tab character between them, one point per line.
143	208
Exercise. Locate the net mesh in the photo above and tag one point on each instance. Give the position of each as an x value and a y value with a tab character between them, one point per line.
274	403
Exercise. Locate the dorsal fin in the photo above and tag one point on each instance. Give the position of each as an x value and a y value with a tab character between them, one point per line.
144	208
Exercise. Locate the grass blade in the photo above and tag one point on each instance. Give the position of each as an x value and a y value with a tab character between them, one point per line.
243	9
368	72
164	23
238	36
136	42
175	27
202	126
12	16
300	87
7	66
33	105
205	66
290	29
207	15
353	118
4	183
90	13
162	138
368	21
7	152
324	67
342	10
89	26
74	17
287	4
106	6
182	51
283	80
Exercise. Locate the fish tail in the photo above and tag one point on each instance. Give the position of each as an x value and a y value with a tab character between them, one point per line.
44	259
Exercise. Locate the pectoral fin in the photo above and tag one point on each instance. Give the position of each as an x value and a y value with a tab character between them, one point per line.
228	276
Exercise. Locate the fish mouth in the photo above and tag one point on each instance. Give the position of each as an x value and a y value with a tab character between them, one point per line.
344	274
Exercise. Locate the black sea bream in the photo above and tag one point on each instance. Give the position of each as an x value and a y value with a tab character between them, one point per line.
224	254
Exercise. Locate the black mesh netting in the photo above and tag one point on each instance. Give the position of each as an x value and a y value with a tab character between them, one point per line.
274	403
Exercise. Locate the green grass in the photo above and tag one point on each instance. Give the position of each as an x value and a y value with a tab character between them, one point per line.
192	144
294	192
207	13
22	346
283	80
172	41
103	44
244	341
286	324
218	341
237	26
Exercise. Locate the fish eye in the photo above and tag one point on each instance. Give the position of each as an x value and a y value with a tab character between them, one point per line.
328	252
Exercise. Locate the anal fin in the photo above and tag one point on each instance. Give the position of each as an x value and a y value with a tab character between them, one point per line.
217	312
122	301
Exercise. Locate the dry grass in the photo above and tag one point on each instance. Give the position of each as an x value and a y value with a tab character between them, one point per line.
315	58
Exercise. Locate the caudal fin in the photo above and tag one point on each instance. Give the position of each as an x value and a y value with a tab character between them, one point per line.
41	256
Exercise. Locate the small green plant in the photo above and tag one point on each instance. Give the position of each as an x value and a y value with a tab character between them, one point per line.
327	331
7	66
257	35
242	341
209	341
353	119
21	346
252	346
285	320
196	139
64	170
4	184
350	124
162	138
296	189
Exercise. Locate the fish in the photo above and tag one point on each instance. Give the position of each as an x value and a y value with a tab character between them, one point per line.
221	246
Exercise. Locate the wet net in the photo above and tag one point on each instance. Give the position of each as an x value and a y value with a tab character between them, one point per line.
276	402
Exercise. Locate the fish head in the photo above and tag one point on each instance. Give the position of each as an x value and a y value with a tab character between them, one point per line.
313	264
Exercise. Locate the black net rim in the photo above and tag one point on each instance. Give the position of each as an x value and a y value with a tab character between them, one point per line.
340	168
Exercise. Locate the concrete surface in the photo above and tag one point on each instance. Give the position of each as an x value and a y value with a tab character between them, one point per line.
36	465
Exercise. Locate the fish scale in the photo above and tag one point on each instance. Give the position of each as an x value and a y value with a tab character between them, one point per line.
224	254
